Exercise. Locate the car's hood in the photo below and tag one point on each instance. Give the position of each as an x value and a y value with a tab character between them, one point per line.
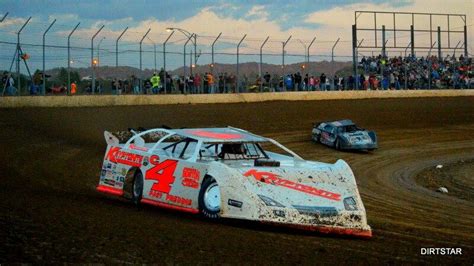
359	137
305	184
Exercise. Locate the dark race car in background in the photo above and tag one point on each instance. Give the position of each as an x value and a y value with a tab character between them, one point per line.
344	135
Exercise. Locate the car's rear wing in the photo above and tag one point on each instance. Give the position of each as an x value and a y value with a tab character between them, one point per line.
111	139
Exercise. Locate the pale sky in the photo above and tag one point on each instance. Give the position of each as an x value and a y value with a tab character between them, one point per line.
303	20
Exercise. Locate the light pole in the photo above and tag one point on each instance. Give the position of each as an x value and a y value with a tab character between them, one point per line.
98	50
44	63
98	55
305	49
164	61
154	50
189	35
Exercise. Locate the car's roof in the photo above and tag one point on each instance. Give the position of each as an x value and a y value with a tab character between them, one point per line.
219	135
340	123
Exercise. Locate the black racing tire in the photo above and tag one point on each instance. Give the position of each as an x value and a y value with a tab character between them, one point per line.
337	144
137	188
317	138
204	209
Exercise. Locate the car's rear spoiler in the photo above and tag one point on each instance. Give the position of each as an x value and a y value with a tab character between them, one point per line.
111	139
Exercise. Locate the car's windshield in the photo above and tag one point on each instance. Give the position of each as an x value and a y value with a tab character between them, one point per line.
350	128
231	151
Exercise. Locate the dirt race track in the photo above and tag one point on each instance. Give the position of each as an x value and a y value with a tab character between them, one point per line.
51	160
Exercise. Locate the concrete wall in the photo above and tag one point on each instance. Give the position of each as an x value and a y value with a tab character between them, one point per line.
111	100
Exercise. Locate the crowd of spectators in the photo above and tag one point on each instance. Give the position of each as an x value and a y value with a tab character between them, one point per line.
428	72
374	73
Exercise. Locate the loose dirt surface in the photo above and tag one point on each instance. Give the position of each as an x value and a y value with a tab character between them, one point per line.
51	160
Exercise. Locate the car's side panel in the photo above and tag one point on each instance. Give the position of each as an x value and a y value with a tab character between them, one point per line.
328	135
117	162
173	181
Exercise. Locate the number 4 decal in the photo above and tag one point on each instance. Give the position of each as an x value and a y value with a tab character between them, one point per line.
163	173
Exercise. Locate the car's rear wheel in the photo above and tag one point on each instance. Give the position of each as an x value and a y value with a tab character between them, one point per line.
137	189
210	199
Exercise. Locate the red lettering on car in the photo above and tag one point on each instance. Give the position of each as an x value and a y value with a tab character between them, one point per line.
190	177
273	179
116	155
163	173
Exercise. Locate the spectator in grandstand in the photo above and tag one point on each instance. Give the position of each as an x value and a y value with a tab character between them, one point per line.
155	83
197	83
190	84
205	83
135	84
10	85
210	81
267	78
322	80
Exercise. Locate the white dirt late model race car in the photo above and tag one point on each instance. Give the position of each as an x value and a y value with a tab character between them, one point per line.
230	173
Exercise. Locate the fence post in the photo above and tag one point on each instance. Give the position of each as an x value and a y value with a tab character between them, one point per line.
184	63
383	41
260	65
116	46
354	55
412	40
466	55
332	50
141	71
237	76
431	64
69	58
439	43
4	17
44	52
18	50
92	58
283	57
332	61
164	60
212	53
307	52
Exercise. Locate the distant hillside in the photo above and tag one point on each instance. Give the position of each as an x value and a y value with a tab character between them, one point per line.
248	69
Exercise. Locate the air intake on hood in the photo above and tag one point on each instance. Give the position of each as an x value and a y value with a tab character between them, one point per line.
265	162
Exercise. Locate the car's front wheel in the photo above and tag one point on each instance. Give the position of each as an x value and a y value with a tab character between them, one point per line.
137	189
210	199
316	137
337	144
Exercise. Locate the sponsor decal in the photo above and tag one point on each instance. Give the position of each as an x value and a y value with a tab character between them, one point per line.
109	182
109	175
135	147
190	177
155	194
179	200
162	172
109	166
103	173
234	203
172	198
274	179
116	155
